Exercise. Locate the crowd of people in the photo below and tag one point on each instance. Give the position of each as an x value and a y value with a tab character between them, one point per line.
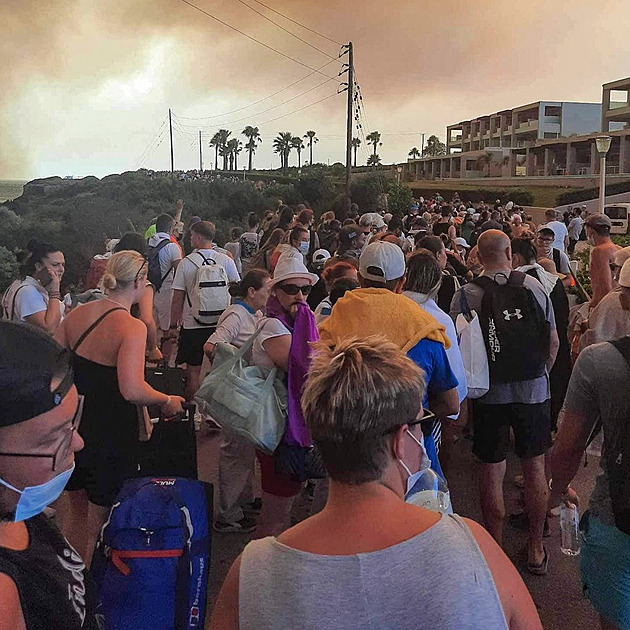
358	316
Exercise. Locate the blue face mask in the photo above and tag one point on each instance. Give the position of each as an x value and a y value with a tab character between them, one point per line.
304	247
35	499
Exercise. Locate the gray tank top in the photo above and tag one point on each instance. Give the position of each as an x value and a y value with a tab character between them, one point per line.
438	580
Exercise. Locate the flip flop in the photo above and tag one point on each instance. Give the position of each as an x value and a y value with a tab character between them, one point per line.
542	568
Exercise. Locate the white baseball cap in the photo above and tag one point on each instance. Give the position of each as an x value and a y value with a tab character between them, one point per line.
624	276
461	241
321	255
381	262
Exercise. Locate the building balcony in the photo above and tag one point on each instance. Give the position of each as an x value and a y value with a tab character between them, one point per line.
530	125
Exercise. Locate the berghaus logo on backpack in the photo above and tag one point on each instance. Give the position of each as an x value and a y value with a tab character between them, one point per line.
163	482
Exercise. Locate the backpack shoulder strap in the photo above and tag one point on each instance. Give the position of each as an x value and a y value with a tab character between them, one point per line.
206	261
485	282
517	279
94	325
13	301
556	258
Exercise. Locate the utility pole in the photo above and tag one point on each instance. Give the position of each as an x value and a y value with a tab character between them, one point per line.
350	120
200	154
170	127
422	149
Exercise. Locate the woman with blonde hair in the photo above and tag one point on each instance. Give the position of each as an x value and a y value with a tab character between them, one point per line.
108	344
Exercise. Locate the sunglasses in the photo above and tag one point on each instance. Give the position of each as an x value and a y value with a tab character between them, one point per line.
294	289
59	456
427	417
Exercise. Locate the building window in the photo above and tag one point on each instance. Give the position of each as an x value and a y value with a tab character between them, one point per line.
548	135
553	110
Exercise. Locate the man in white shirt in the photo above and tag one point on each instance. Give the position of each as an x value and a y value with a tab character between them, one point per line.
193	334
561	240
169	256
575	229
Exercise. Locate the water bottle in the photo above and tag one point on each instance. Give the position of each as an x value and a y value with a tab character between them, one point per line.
570	529
431	492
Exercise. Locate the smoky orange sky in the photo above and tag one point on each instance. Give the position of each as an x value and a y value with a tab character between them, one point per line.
86	84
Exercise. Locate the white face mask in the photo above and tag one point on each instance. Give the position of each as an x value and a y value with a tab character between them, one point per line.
425	463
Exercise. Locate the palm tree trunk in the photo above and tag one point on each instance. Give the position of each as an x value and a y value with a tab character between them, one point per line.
216	157
249	165
310	148
236	161
225	162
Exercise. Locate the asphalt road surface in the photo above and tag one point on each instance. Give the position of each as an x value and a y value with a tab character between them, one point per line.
558	595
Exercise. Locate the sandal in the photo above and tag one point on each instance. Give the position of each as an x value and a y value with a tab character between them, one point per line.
542	568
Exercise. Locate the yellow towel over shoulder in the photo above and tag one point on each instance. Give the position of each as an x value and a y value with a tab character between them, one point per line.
365	312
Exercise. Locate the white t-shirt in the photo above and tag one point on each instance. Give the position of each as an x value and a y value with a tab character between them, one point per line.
269	327
185	278
248	245
575	228
167	256
236	325
7	299
561	232
31	298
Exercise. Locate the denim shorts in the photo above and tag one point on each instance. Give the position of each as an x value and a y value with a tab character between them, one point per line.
605	570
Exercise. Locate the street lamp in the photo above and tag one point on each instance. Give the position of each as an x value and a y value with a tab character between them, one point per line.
400	170
603	144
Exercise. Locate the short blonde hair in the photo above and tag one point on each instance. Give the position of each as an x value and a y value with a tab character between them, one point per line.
123	268
355	395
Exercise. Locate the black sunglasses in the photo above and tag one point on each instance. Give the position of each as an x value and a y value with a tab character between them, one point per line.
293	289
59	456
427	417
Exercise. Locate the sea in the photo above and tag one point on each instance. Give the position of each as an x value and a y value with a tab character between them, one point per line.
11	188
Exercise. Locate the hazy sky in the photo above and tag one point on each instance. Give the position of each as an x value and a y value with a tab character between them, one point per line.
86	84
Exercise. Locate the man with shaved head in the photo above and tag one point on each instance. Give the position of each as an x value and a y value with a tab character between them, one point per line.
519	395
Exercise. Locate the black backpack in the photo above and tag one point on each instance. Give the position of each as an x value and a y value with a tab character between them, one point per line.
154	273
617	464
516	331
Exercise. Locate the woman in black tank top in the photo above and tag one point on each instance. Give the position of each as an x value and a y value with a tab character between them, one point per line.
109	347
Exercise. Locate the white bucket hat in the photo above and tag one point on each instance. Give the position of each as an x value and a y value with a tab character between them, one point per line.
291	265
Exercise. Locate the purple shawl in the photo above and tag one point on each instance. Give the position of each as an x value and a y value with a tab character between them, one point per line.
303	332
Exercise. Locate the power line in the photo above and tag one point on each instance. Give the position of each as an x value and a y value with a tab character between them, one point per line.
156	138
298	23
285	29
234	111
194	6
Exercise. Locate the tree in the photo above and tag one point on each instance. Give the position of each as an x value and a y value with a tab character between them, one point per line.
282	144
374	138
224	135
374	160
399	198
312	139
414	154
234	147
434	147
356	143
298	145
216	143
253	139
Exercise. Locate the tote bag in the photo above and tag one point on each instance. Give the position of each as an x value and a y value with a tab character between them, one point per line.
248	400
473	349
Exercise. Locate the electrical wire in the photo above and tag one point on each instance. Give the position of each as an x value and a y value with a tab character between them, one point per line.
285	29
157	136
305	65
298	23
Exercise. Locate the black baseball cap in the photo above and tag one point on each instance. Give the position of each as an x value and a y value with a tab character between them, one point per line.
29	360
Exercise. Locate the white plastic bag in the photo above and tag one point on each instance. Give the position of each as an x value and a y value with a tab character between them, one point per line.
473	349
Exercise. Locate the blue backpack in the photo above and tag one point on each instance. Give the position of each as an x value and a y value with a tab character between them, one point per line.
151	562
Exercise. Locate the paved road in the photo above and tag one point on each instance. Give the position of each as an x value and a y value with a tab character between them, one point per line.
558	596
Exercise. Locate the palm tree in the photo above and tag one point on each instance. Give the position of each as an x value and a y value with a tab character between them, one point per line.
312	139
434	147
414	153
234	147
224	135
216	143
374	160
253	139
298	145
282	144
375	140
356	143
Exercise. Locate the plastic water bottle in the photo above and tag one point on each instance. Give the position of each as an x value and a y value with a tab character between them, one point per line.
570	528
431	492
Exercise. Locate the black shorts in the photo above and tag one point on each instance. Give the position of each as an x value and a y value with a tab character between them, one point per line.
102	477
191	342
492	423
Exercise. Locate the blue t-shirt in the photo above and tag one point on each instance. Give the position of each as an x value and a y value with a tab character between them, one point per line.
431	357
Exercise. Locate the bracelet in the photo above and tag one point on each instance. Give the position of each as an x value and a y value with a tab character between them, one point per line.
54	296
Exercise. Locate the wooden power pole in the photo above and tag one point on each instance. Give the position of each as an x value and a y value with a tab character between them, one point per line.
170	128
200	153
349	121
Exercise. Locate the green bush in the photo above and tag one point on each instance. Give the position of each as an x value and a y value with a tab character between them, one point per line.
518	196
399	198
586	194
366	191
8	268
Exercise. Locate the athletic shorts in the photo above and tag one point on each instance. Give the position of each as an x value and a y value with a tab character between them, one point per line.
162	308
102	477
191	342
492	423
605	570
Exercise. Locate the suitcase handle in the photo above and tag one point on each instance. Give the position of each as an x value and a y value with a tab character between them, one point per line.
187	415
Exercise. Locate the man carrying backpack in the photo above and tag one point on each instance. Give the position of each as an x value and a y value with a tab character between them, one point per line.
200	295
164	256
597	398
518	324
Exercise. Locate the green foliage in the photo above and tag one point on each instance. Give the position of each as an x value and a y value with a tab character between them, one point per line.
367	190
8	268
584	194
399	198
434	147
518	196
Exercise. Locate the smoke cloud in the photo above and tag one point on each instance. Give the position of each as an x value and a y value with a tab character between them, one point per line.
87	83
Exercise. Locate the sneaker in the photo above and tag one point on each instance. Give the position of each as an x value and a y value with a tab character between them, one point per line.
253	507
244	526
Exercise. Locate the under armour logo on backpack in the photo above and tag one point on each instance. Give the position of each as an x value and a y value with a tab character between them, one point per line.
508	316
